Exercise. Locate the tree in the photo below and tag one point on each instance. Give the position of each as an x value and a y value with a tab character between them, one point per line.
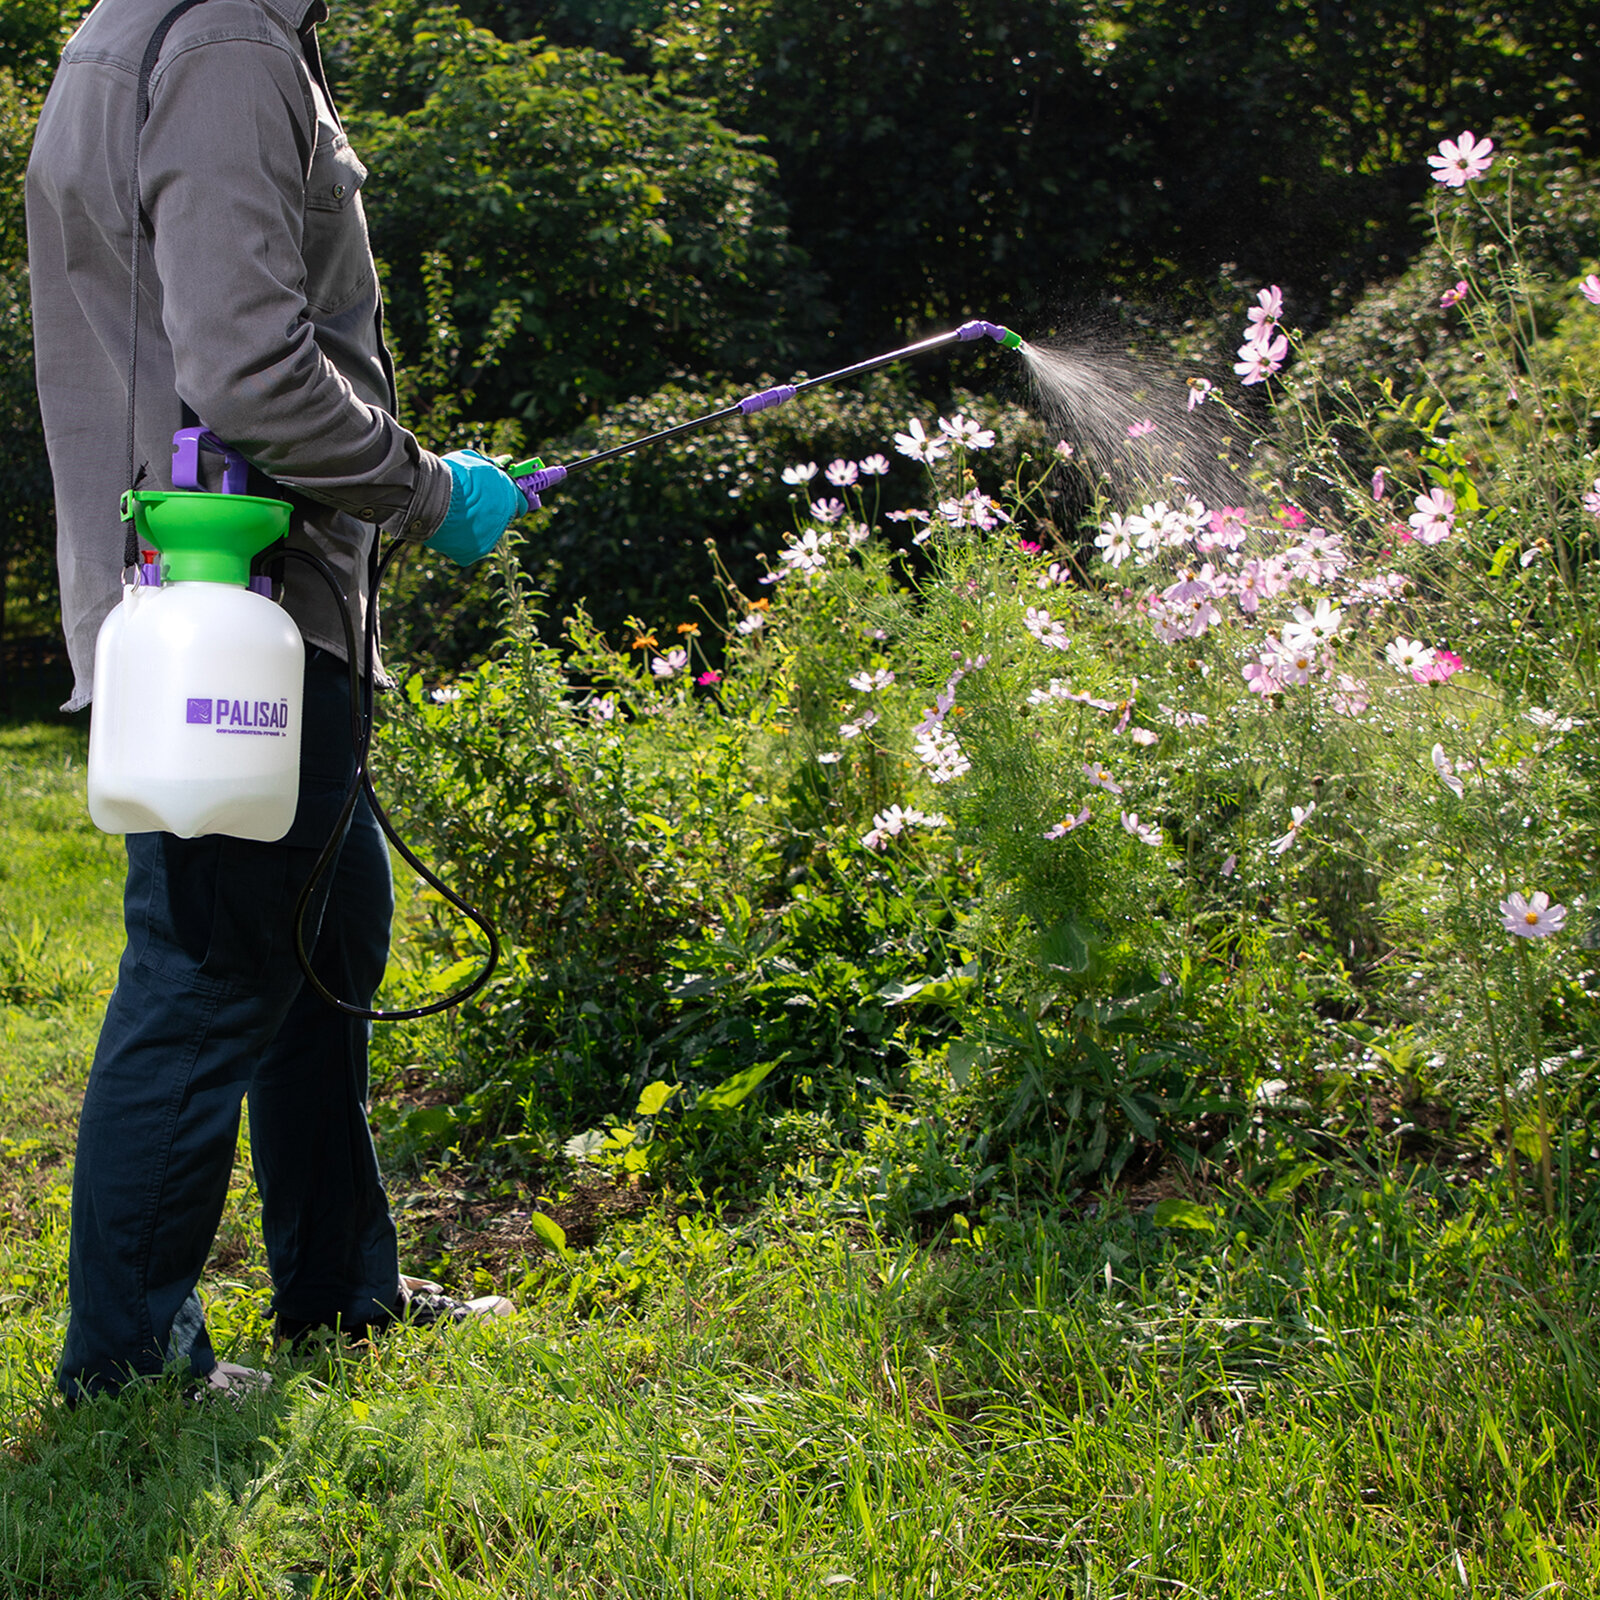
1011	157
630	234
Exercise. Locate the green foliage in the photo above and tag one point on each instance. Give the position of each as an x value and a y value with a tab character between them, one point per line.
629	538
1023	158
631	234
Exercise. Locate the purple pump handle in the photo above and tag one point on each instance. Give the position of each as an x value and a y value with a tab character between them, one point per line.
981	330
187	443
534	484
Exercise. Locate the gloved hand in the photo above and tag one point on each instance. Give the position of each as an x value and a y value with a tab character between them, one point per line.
483	500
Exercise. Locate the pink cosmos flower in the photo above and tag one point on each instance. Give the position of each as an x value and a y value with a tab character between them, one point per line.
1258	362
708	677
800	474
841	474
1533	918
1289	516
1199	392
1447	772
1453	297
1101	777
1145	832
1137	430
875	466
1350	695
1261	319
1379	484
827	510
1229	526
1445	664
1065	450
1046	629
1261	675
1435	517
673	662
1067	824
1460	161
1590	288
1591	501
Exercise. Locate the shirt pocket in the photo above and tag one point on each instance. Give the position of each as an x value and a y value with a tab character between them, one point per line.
336	251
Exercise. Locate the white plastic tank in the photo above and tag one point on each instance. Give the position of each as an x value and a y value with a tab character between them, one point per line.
198	680
196	720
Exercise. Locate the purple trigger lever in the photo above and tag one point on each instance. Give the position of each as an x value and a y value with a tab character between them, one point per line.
187	443
534	484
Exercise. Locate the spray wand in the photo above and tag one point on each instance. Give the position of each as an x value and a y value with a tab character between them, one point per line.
533	477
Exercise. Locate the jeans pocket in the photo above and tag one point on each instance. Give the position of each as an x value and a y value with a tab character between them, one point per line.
216	908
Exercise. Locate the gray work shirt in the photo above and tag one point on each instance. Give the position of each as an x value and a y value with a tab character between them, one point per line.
259	303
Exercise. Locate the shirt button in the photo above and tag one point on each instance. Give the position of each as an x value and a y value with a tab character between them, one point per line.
369	514
338	191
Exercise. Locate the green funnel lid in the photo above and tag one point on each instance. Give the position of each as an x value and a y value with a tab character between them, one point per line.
205	538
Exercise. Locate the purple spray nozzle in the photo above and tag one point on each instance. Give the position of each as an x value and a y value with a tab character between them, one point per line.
533	484
990	330
187	443
764	398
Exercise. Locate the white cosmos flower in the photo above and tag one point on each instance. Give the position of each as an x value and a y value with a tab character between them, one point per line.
1311	628
1532	918
1408	655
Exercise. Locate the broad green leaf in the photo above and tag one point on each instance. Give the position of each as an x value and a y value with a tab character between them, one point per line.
585	1146
1175	1213
549	1230
736	1090
1284	1186
653	1097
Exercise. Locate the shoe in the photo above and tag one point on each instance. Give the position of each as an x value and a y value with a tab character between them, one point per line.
423	1303
232	1382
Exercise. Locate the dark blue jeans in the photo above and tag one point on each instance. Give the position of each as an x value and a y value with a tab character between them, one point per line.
210	1007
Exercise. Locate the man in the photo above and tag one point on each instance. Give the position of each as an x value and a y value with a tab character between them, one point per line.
257	313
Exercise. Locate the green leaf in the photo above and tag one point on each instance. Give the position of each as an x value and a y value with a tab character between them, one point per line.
1286	1184
549	1230
1503	556
586	1146
962	1056
653	1097
430	1121
1065	946
1176	1213
736	1090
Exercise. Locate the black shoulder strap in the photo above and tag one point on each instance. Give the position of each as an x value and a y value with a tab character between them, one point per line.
152	52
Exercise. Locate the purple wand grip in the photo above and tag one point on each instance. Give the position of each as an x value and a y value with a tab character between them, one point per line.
187	443
767	397
981	330
534	484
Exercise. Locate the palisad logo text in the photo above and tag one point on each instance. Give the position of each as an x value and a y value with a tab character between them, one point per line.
264	718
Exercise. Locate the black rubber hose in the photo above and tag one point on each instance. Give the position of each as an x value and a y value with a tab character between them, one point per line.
361	722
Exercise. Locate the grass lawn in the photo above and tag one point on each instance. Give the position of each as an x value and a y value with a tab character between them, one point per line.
1378	1388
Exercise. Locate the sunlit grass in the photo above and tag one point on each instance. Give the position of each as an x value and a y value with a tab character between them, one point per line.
1382	1392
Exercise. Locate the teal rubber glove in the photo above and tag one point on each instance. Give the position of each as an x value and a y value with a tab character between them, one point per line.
483	500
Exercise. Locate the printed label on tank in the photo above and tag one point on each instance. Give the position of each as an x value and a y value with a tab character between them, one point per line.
264	719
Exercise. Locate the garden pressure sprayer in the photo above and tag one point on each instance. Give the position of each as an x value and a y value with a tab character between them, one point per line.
199	674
